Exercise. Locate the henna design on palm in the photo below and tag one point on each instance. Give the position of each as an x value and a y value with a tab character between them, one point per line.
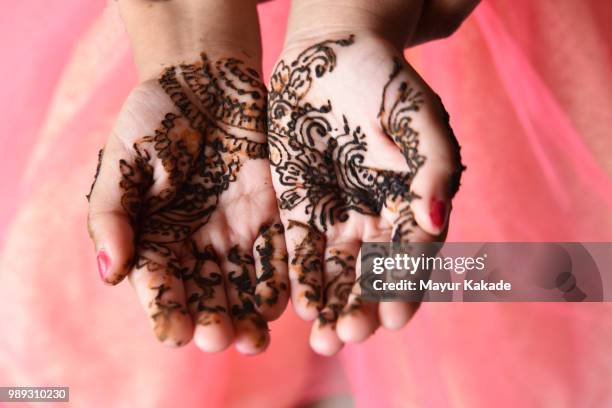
163	309
338	288
205	286
307	261
266	256
320	162
241	281
201	148
319	156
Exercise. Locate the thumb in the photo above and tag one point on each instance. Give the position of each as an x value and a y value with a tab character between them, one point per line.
437	181
413	116
114	201
432	186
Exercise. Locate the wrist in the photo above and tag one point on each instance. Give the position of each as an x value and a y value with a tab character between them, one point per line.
392	21
163	34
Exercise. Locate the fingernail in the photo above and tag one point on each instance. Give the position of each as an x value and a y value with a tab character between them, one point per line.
437	213
103	264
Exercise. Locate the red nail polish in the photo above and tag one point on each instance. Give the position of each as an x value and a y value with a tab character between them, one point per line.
437	213
103	264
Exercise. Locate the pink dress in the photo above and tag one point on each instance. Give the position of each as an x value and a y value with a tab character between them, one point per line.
528	85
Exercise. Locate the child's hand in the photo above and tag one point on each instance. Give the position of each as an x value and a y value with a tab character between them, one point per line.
361	150
183	204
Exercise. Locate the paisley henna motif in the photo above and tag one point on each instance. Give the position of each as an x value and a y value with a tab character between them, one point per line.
320	162
198	150
318	157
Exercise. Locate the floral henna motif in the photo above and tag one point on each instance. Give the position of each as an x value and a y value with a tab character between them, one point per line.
221	111
319	160
318	156
231	93
338	288
307	259
199	148
205	286
395	117
240	279
266	252
163	310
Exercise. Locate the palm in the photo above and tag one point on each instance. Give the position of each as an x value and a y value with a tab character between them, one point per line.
345	151
195	183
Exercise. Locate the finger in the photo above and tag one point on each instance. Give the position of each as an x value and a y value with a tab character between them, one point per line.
338	279
272	288
250	328
305	246
394	315
206	300
438	179
358	319
414	118
159	288
113	202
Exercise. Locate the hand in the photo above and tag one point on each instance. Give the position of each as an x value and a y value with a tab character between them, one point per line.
183	204
361	150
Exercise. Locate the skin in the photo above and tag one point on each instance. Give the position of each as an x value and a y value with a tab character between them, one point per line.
214	267
403	23
183	202
360	149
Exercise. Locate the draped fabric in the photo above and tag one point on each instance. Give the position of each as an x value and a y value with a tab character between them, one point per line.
528	85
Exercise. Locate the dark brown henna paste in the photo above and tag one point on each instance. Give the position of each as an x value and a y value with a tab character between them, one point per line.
320	162
395	116
240	282
206	286
307	260
266	254
198	148
163	310
201	148
396	120
231	93
100	155
338	288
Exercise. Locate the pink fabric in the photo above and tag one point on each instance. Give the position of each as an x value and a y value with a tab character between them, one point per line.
529	90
